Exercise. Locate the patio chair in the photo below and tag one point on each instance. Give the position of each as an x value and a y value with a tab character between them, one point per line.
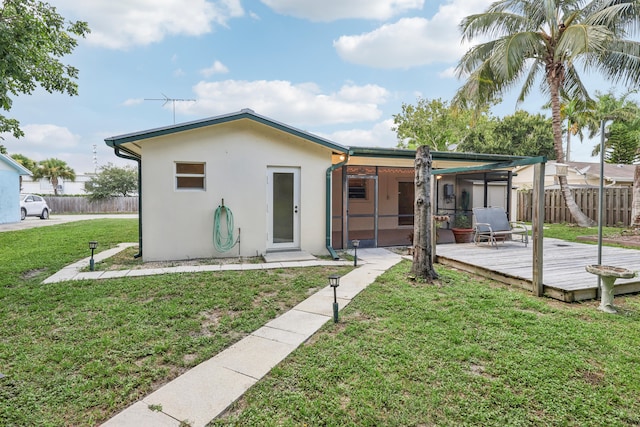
492	225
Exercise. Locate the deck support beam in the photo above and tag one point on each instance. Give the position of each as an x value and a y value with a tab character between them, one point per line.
537	223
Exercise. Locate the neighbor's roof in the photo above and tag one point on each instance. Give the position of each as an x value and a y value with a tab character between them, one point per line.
116	141
612	172
15	165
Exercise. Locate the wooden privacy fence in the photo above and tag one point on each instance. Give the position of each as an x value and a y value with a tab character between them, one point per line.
64	205
617	205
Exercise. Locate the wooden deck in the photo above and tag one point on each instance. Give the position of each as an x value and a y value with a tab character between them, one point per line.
564	274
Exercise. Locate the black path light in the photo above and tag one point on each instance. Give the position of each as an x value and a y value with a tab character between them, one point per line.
334	282
92	245
355	244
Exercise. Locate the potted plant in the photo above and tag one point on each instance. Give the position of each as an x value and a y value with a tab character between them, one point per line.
462	230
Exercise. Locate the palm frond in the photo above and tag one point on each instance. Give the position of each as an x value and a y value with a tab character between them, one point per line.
512	51
617	15
475	56
621	63
537	68
581	39
481	88
574	89
492	25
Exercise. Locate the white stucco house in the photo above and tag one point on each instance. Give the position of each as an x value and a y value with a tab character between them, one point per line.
10	173
288	190
43	185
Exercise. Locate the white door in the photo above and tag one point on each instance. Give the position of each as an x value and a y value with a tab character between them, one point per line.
283	208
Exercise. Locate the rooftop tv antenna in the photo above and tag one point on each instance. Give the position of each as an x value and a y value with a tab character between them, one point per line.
173	101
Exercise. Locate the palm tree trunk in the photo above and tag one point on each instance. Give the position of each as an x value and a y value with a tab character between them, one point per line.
422	267
581	219
635	205
568	140
54	183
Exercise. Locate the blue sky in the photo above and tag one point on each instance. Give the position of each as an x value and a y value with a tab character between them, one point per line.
336	68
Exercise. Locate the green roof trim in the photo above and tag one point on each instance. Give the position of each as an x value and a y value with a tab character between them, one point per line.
496	160
400	153
246	113
492	166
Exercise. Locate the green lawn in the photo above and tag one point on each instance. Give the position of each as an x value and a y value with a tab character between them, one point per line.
459	352
76	353
571	232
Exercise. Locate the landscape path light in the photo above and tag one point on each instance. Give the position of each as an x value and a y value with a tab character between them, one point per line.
92	245
334	282
355	244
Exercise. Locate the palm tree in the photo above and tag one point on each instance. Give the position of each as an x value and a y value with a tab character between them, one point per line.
620	111
26	162
54	169
576	113
547	40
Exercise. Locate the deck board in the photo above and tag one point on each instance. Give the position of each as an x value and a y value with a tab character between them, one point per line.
564	275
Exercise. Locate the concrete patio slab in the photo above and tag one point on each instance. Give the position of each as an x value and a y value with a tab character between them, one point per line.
139	415
199	395
112	274
88	275
61	276
321	304
280	335
288	256
346	291
146	272
186	269
253	356
299	322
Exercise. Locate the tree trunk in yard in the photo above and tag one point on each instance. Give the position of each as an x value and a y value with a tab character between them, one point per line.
635	205
554	88
422	262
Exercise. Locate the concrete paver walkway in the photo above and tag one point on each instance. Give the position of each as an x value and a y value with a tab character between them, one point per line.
205	391
73	271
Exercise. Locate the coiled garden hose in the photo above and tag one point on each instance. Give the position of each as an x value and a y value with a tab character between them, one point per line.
226	242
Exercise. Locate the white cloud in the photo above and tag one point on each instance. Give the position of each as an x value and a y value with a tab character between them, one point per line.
449	73
133	101
45	141
412	42
331	10
217	68
121	25
297	104
44	135
380	135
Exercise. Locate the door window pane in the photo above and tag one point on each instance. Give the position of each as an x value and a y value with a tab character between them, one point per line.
283	207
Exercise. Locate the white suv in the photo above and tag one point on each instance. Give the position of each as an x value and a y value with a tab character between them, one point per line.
32	205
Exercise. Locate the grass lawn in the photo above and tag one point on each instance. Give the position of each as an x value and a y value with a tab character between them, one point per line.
460	352
571	233
76	353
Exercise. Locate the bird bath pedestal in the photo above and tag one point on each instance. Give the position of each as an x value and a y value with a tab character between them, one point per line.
608	276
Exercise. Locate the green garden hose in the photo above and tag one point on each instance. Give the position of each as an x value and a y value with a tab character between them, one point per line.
220	242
